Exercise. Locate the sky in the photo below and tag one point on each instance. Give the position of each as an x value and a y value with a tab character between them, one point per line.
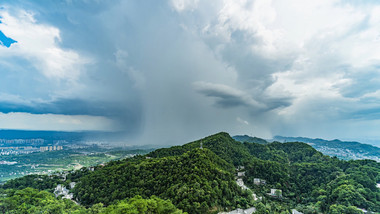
171	71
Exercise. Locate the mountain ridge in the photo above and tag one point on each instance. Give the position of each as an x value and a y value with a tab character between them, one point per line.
342	149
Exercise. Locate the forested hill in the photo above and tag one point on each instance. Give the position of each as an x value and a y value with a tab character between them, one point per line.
237	153
200	177
221	144
196	181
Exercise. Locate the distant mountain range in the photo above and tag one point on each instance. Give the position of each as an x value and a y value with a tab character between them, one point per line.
342	149
346	150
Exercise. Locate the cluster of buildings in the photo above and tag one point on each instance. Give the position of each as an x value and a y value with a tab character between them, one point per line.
50	148
16	150
240	182
277	193
22	141
346	154
7	162
61	190
256	181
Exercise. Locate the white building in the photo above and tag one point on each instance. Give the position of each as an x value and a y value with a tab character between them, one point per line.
241	184
61	190
72	185
363	210
240	168
276	192
294	211
241	211
258	181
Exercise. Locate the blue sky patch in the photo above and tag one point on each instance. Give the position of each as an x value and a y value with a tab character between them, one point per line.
6	41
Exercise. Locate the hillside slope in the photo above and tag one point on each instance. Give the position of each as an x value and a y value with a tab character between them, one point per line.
196	181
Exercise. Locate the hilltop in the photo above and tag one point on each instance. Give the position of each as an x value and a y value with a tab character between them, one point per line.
249	139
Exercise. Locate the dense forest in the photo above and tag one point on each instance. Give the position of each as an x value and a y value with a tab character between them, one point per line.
30	200
200	177
195	181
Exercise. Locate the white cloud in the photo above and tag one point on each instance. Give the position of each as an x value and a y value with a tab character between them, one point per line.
182	5
39	44
242	121
255	19
10	98
373	95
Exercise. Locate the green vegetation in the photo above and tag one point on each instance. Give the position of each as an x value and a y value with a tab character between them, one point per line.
221	144
40	182
199	180
139	205
196	181
33	201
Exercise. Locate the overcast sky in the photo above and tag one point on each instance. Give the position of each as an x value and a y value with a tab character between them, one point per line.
177	70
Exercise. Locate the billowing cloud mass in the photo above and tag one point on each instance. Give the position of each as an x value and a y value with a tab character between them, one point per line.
166	72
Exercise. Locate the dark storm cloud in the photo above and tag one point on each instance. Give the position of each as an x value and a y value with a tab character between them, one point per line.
226	96
363	81
366	114
275	103
69	107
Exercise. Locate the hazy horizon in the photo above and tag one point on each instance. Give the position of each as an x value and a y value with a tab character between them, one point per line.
118	139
